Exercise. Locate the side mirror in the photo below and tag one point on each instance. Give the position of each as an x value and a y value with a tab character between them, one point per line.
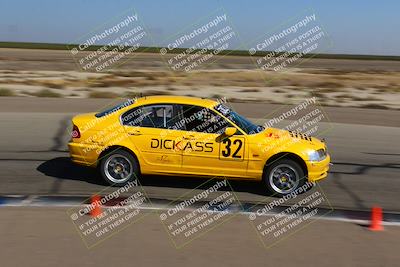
229	131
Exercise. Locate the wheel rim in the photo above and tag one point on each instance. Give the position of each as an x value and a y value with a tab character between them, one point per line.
118	168
284	179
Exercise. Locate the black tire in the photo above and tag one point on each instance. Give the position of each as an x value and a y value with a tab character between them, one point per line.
125	168
291	169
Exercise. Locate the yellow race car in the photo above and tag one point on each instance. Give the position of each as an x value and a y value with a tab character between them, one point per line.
186	136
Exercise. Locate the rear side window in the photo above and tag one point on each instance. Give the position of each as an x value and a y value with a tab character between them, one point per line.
156	116
151	116
132	117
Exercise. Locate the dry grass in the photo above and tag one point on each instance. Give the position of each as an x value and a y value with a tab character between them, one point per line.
323	79
374	106
215	96
331	86
6	92
101	94
130	94
155	92
254	90
46	93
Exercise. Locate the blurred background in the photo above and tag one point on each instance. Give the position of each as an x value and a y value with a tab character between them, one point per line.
62	58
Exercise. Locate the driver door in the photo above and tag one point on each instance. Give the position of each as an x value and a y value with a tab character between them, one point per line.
205	148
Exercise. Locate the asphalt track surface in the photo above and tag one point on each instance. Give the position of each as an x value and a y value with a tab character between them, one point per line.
46	237
34	160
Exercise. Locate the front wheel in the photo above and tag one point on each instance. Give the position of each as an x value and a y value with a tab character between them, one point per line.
119	167
283	177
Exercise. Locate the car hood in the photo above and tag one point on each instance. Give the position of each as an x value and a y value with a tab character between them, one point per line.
292	138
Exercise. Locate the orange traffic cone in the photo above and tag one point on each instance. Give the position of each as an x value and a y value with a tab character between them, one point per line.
376	219
95	202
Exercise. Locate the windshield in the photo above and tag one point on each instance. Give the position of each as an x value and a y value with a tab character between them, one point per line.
243	123
115	108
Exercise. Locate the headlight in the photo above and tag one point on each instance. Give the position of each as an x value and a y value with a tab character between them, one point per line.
317	155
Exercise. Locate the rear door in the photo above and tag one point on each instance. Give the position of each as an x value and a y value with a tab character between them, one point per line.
150	131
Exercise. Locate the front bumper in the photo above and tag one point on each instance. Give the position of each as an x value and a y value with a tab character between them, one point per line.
318	170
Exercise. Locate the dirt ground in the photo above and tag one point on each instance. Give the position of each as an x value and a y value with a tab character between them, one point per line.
355	83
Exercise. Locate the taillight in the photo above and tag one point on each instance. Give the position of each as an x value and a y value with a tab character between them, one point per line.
75	132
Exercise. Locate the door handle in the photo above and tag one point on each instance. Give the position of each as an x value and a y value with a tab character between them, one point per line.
134	133
189	137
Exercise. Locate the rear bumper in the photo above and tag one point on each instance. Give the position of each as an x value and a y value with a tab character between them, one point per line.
84	154
318	170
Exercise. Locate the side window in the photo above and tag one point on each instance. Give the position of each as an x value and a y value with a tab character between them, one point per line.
156	116
132	117
152	116
200	119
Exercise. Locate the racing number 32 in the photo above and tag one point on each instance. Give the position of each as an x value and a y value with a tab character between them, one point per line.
232	148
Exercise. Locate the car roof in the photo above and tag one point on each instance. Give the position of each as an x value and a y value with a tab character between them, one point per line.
163	99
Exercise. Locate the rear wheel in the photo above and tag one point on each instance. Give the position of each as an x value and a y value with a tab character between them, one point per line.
283	176
119	167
